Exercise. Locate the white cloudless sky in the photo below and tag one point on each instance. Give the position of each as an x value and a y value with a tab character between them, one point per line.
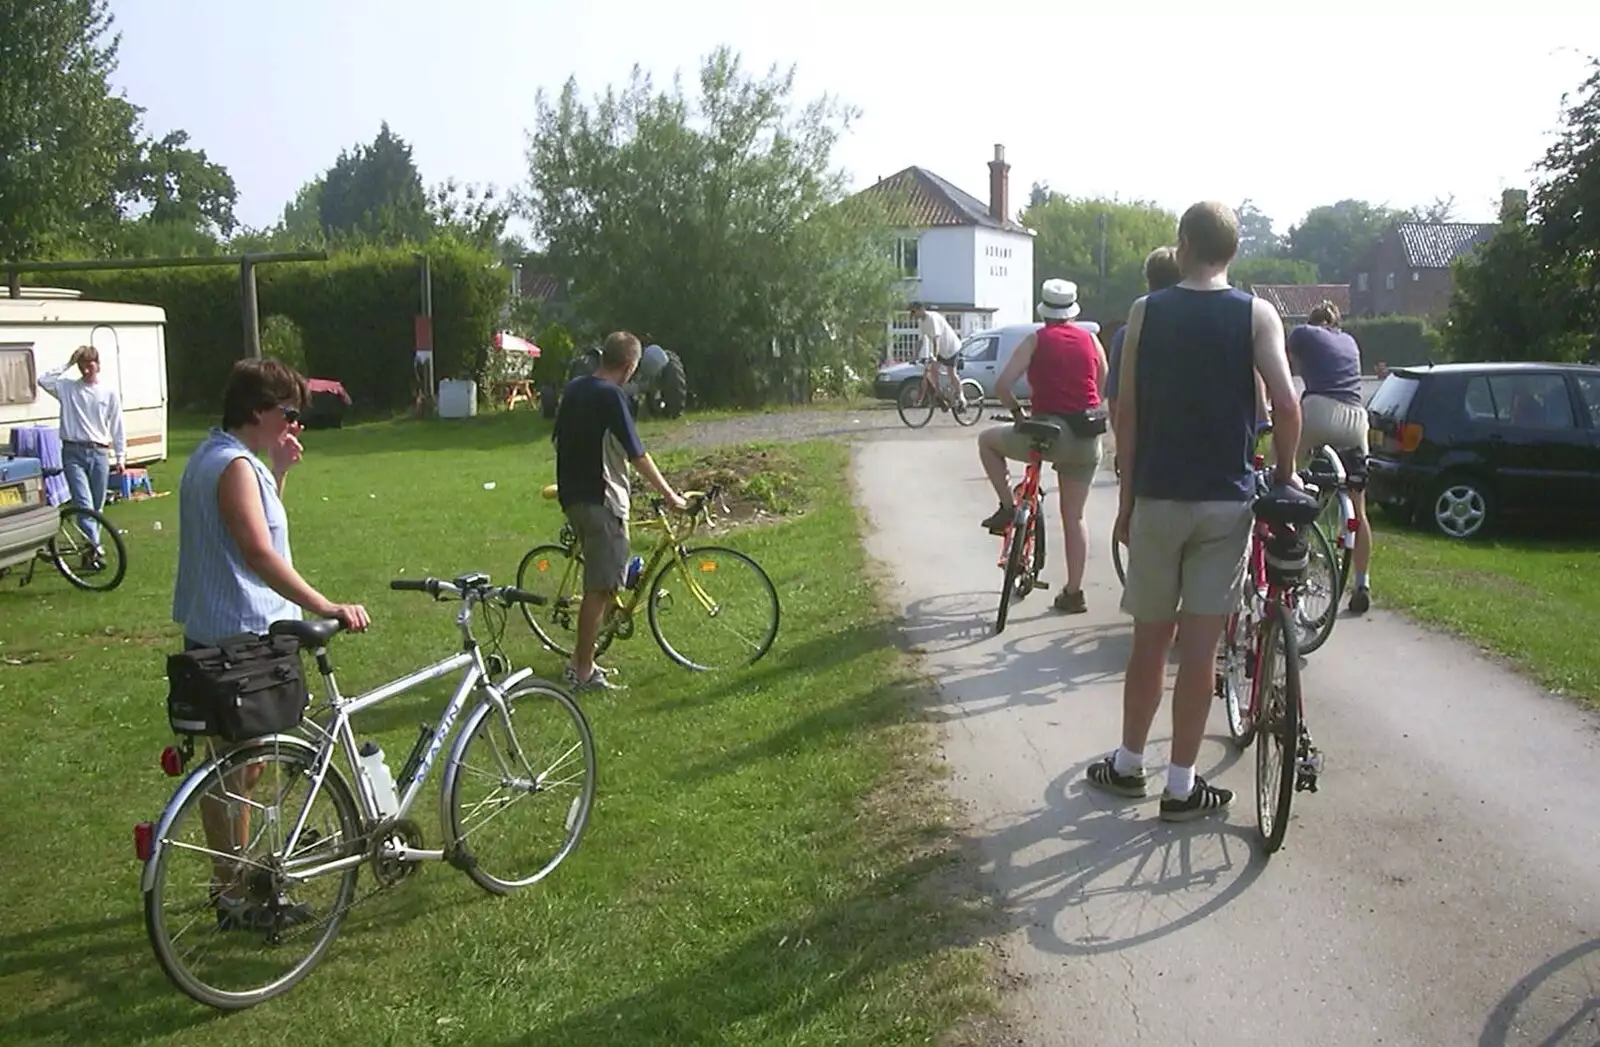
1396	102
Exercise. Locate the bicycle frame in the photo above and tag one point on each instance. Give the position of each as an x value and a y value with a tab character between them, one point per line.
1027	493
671	540
340	735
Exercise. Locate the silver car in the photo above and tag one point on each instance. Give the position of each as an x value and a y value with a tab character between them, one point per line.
983	357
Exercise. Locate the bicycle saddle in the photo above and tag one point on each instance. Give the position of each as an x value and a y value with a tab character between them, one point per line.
1286	504
1035	429
314	633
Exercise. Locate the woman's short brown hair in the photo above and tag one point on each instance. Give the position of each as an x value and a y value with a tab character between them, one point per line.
1324	314
1161	269
261	385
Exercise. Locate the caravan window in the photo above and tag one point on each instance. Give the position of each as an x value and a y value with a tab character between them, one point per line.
16	375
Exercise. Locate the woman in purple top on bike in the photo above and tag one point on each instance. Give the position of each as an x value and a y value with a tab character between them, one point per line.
1333	412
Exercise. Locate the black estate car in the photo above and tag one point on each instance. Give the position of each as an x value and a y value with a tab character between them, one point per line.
1457	445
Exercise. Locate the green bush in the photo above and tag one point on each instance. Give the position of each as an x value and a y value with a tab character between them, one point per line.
1399	341
355	314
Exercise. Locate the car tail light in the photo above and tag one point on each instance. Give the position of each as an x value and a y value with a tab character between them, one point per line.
172	761
1260	461
1410	436
144	836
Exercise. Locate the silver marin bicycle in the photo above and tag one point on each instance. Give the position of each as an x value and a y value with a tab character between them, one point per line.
255	860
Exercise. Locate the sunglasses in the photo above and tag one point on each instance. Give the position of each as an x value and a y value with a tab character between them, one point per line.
290	414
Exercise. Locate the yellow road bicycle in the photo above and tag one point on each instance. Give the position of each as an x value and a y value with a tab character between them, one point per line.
701	596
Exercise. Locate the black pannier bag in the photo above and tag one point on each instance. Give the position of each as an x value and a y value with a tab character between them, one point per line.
245	687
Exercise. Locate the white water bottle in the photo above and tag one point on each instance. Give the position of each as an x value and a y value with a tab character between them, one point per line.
379	778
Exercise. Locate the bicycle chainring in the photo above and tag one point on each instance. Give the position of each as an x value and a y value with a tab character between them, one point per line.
390	871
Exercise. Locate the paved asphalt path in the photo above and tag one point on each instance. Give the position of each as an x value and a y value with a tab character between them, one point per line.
1443	886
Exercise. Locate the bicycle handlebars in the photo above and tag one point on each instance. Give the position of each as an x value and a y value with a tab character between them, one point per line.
697	500
469	584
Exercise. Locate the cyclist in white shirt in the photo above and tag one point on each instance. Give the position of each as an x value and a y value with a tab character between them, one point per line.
940	346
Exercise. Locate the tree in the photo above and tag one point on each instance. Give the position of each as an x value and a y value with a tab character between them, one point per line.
187	201
374	193
1252	271
473	214
1068	246
1567	200
1256	238
1334	237
63	135
1532	292
717	224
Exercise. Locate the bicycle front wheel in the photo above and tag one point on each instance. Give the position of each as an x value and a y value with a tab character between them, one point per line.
1277	725
536	757
719	587
88	551
556	574
235	906
916	403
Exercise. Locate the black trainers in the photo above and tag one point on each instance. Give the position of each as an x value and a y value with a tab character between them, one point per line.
1202	800
1103	776
1071	603
1360	600
1001	519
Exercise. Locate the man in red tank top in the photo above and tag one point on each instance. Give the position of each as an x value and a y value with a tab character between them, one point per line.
1066	367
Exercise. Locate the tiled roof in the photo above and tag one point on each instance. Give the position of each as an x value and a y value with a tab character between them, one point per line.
1300	299
541	286
921	198
1434	245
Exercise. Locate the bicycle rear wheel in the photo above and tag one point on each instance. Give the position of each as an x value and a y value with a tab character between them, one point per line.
1278	726
1015	550
1321	582
1119	553
972	392
94	569
1235	671
556	574
235	957
916	403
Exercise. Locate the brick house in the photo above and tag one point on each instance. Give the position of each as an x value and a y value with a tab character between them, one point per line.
1407	272
1294	302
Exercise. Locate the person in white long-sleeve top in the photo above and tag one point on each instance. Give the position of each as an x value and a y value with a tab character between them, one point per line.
91	430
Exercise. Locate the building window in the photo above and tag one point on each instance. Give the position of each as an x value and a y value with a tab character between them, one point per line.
17	375
905	256
1388	281
905	338
1361	281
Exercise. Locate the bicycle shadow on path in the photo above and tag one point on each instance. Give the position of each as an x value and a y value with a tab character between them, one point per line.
1557	1003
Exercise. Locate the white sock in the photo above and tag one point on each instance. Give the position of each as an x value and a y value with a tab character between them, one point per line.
1180	781
1126	761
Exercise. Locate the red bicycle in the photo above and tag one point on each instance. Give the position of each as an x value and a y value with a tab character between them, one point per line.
1258	671
1022	545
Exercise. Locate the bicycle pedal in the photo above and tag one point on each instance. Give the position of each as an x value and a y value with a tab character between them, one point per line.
1040	584
1305	783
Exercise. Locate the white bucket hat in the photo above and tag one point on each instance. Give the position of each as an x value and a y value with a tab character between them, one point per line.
1060	300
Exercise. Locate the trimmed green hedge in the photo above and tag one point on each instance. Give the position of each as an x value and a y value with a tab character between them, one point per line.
1399	341
355	314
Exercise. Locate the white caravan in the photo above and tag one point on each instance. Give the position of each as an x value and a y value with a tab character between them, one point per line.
40	330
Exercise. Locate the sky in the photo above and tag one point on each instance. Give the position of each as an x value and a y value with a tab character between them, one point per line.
1396	102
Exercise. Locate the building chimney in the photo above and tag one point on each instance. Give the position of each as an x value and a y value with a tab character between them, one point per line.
1514	206
999	186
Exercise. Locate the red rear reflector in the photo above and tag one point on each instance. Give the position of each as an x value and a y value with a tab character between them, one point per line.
172	761
1352	525
1260	461
144	835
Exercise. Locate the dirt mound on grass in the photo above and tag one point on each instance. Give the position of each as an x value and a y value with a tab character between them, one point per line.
758	486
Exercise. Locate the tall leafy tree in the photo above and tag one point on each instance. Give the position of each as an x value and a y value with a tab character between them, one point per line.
1070	241
64	137
374	192
1532	292
716	223
1256	236
1333	237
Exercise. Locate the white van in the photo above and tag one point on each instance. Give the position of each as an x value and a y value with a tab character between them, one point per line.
984	355
40	330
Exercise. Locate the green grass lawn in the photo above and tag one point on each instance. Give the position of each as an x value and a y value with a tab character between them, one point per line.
766	863
1534	600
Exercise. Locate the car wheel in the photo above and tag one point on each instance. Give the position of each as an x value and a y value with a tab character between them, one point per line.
1462	507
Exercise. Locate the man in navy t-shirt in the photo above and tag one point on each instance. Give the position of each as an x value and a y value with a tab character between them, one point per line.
595	441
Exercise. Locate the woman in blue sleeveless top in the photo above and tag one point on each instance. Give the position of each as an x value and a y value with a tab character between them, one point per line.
236	575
